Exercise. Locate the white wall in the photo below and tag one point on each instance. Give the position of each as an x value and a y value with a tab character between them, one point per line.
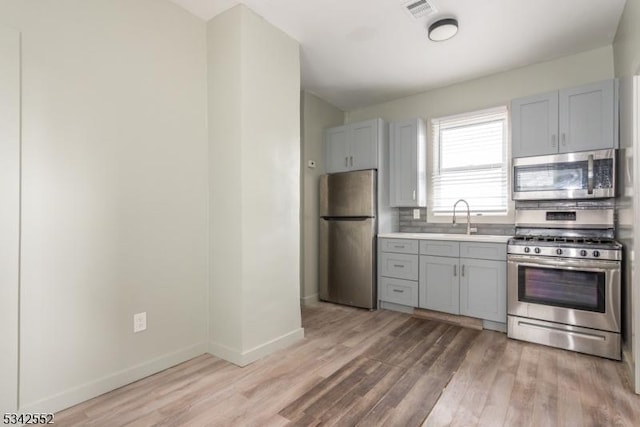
317	115
626	46
224	50
497	89
254	139
626	51
9	215
114	190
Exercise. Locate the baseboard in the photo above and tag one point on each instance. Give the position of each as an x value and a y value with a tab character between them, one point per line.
311	299
494	326
396	307
464	321
243	358
111	382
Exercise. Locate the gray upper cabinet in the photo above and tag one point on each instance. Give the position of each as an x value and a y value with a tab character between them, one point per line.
408	173
587	115
364	145
353	146
535	125
577	119
336	149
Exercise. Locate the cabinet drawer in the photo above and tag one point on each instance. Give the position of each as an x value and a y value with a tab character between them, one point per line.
439	248
477	250
400	266
402	246
398	291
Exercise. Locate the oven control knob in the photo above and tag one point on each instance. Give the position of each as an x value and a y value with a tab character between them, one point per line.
583	253
596	254
537	250
527	250
559	251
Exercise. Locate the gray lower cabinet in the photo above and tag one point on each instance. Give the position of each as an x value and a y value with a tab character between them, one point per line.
401	266
438	284
456	277
398	271
483	289
398	291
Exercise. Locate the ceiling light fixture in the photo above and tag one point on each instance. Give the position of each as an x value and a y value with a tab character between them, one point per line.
443	29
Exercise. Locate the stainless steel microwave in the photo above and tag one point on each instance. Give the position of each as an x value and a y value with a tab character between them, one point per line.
584	175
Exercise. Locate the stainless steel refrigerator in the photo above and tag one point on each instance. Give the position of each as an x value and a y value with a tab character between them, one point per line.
348	227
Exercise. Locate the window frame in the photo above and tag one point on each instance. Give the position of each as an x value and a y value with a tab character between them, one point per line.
509	217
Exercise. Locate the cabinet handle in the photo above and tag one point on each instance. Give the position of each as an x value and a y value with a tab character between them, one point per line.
351	157
414	194
564	139
455	270
553	140
590	174
400	291
462	272
398	265
399	246
346	161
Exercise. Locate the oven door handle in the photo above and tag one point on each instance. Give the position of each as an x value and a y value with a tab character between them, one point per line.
590	174
557	264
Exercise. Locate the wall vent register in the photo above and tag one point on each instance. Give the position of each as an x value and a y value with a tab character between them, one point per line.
418	8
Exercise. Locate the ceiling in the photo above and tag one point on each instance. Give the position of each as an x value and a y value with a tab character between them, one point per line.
356	53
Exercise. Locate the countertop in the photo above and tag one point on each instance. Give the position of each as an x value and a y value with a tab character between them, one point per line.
487	238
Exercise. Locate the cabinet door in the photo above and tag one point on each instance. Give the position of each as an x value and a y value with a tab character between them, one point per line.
534	128
336	149
408	159
587	117
483	289
363	144
438	286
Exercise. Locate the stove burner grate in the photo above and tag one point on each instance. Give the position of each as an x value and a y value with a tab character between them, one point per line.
562	239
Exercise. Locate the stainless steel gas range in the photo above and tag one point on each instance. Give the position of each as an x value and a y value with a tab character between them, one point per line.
563	277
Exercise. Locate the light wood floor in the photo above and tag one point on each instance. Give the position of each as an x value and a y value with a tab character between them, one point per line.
499	382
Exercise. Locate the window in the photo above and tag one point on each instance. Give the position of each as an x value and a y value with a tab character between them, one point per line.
470	162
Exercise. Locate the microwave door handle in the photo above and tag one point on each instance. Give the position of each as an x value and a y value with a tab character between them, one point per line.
590	174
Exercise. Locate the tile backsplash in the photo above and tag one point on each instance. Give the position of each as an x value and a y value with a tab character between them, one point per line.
410	225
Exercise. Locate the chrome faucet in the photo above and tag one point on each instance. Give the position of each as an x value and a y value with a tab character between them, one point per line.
468	215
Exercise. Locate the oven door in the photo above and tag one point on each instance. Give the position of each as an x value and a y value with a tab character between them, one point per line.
585	175
574	292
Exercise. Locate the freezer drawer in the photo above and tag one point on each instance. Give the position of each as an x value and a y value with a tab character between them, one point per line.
347	261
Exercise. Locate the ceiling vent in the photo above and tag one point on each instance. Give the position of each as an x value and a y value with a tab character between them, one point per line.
418	8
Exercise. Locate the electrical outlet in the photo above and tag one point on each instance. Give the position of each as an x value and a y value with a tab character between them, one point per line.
139	322
416	214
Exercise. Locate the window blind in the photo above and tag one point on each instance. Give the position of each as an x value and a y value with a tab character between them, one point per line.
470	162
